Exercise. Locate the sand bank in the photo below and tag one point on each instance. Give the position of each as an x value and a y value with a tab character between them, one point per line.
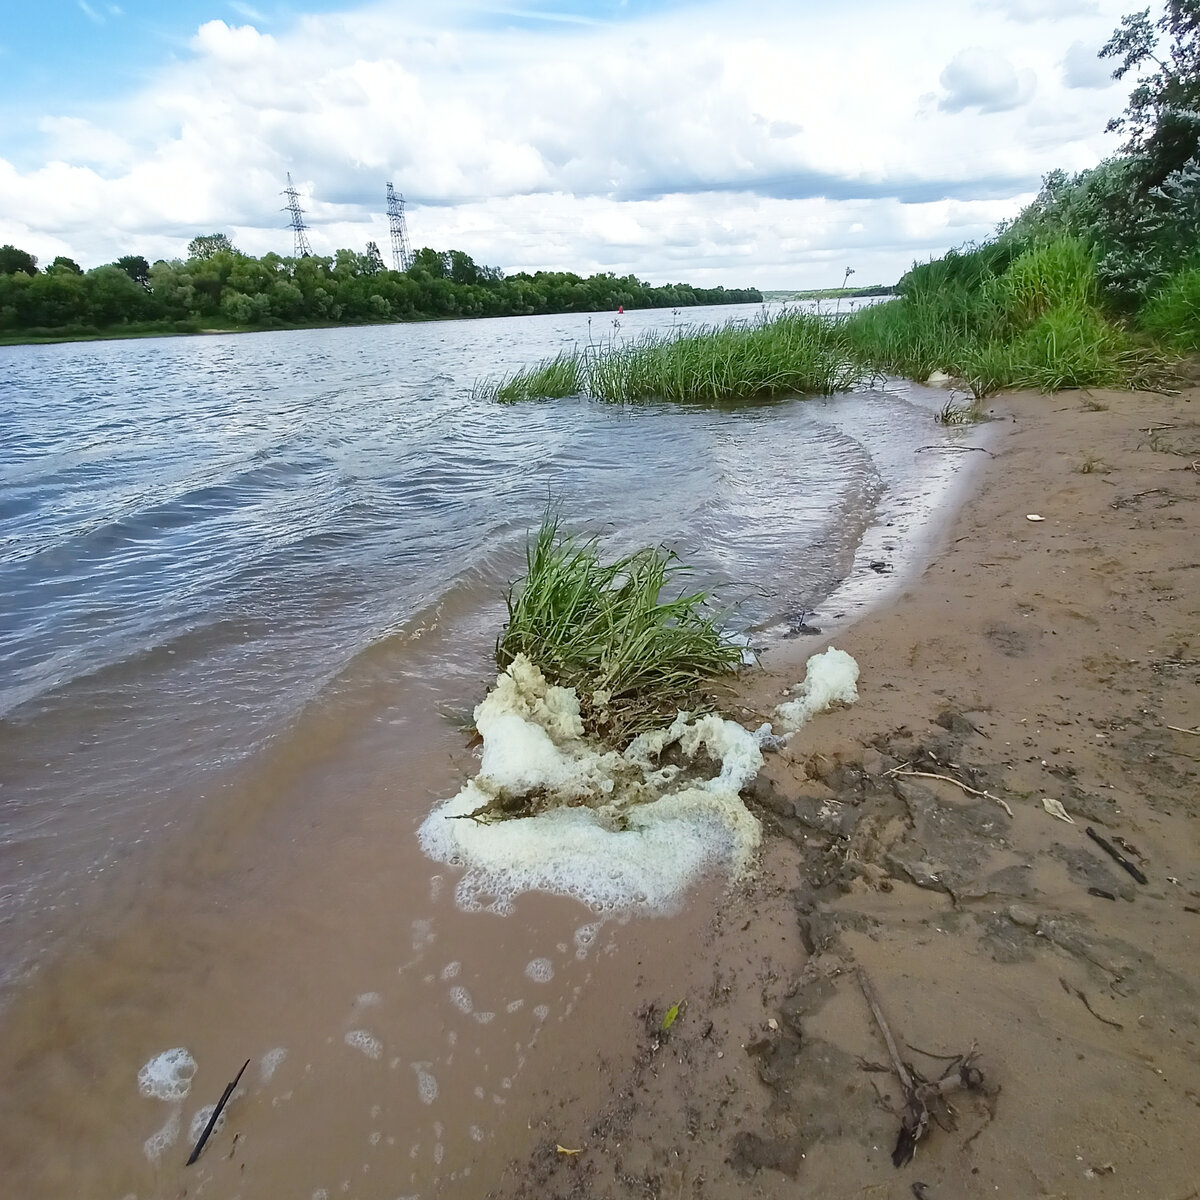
1053	659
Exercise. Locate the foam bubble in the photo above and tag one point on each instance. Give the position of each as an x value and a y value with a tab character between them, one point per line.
541	1012
830	678
621	837
422	934
461	999
475	1133
439	1152
368	1000
270	1063
360	1039
451	971
159	1142
540	970
514	1006
427	1086
585	938
485	1018
375	1137
168	1076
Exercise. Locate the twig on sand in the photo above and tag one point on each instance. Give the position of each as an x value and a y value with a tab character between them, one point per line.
957	783
956	449
212	1121
1081	995
1178	729
923	1098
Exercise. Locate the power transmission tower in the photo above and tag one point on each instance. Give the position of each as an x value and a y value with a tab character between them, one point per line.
299	229
401	254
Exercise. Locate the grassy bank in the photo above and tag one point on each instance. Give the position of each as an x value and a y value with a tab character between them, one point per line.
1007	314
794	353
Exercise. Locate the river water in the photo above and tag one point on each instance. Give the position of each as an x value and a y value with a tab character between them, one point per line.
250	587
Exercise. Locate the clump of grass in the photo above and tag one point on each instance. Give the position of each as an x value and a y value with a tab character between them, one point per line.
552	379
793	354
605	629
1172	313
955	412
1093	465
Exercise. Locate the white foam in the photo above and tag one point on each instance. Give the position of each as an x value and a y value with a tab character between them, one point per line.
159	1142
368	1000
585	938
485	1018
422	934
830	679
368	1043
475	1133
514	1006
200	1119
270	1063
168	1076
540	970
451	970
427	1085
619	837
541	1012
461	999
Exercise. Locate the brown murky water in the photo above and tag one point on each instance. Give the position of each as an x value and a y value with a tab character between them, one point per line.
241	636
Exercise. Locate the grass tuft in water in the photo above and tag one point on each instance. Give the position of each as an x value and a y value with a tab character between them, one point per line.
634	658
793	354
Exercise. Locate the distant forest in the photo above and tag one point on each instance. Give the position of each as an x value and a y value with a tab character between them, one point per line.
218	287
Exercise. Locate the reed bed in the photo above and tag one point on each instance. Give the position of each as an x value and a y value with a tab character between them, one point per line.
793	354
605	629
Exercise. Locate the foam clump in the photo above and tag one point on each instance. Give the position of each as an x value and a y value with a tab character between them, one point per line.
616	830
168	1076
830	679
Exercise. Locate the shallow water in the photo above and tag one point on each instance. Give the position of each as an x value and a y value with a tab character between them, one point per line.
250	585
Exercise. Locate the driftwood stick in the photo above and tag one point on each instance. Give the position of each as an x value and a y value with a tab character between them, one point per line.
212	1121
893	1053
958	783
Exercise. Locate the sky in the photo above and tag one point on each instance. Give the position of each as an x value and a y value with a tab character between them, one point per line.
768	144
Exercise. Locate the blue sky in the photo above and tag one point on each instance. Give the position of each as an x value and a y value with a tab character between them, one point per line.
758	142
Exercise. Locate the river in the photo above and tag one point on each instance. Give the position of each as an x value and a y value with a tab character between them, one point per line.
251	584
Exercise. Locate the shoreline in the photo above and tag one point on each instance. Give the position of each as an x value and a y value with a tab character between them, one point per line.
1057	658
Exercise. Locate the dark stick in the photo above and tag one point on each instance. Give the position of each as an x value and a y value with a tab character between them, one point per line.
216	1113
1116	855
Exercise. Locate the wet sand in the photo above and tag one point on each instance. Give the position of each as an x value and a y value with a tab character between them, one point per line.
1029	660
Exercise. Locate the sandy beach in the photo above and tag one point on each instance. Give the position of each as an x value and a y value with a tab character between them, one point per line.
1030	660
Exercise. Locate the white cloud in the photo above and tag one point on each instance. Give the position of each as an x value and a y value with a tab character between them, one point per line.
986	80
1082	67
1042	10
696	144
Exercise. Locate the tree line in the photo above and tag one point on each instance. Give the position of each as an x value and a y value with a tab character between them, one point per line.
217	286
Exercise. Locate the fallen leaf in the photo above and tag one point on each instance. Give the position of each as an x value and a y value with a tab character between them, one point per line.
1033	517
564	1150
672	1016
1055	809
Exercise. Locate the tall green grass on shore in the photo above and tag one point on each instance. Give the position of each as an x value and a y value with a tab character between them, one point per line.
605	629
1172	314
1007	315
796	353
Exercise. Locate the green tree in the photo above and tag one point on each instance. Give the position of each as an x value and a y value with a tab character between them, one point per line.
206	245
64	266
136	267
13	260
1162	119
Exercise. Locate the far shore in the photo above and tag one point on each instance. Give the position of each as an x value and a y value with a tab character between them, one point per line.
1049	652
